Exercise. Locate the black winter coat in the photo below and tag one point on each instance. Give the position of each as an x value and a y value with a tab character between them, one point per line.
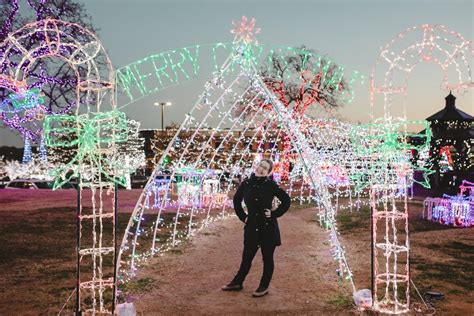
258	194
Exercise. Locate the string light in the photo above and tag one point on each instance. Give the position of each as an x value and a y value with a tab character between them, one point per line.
198	150
92	132
160	71
27	151
36	168
130	154
201	194
452	53
245	31
457	210
24	109
42	150
25	112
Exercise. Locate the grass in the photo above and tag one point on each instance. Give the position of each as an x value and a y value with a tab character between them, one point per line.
37	253
33	234
341	302
460	250
210	234
176	251
59	273
39	247
295	205
419	225
349	221
456	270
138	286
448	270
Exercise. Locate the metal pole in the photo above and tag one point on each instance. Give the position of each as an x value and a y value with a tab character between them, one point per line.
78	247
372	247
114	294
162	116
407	243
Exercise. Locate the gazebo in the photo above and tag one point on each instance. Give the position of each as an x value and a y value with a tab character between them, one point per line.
452	146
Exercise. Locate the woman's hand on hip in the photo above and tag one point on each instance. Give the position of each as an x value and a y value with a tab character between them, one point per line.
268	213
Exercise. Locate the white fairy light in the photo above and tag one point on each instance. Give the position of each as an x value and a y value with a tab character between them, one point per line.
451	52
226	147
51	38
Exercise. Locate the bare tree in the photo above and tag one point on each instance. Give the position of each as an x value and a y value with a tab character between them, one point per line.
56	78
302	80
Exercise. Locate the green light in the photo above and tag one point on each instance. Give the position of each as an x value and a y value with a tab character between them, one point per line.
385	147
94	135
160	71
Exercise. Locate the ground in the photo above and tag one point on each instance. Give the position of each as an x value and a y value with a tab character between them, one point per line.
190	278
37	260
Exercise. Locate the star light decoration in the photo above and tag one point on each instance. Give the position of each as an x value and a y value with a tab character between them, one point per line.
245	31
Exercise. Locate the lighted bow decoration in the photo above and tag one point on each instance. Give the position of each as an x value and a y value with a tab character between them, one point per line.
21	106
94	137
23	100
386	146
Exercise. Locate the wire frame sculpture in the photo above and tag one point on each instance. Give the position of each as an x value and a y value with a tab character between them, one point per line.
389	85
91	132
213	147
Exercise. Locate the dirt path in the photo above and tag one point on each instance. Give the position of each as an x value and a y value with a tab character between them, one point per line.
189	280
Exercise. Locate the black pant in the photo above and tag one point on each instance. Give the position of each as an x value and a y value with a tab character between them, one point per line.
250	249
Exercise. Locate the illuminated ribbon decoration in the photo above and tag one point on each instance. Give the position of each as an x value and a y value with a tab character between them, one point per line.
388	141
93	136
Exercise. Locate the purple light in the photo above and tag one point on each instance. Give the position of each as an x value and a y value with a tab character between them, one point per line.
34	76
7	25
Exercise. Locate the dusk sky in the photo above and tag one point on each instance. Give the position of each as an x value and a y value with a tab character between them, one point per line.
349	32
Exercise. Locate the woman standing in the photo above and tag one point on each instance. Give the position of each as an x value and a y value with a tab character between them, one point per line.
261	225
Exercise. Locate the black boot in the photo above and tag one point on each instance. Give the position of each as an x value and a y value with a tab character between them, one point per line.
232	287
261	291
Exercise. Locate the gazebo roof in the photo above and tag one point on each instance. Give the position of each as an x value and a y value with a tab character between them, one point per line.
450	112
